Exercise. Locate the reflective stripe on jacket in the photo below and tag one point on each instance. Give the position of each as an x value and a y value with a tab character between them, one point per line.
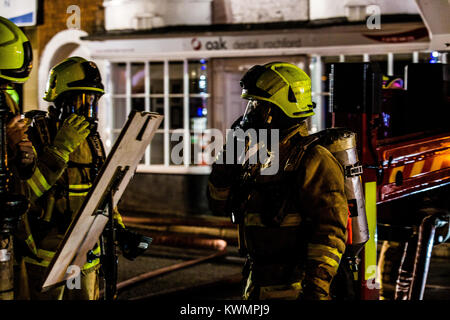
308	243
46	257
57	192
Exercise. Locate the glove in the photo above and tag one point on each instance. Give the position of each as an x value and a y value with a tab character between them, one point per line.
72	132
132	244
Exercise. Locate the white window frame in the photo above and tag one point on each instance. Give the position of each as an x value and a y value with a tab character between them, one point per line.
316	67
390	59
319	53
147	167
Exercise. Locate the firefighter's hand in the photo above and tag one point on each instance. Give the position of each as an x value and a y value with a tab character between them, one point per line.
237	123
72	132
223	173
316	284
15	133
25	152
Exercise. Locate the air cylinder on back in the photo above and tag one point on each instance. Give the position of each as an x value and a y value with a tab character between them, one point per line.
341	143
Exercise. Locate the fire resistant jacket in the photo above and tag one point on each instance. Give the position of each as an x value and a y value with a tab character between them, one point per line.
57	190
298	256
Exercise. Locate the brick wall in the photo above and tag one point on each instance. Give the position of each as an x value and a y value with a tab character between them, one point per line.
55	18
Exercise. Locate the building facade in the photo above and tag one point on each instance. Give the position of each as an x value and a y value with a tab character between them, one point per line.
187	67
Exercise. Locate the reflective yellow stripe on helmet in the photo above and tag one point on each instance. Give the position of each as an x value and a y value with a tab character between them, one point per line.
38	183
323	253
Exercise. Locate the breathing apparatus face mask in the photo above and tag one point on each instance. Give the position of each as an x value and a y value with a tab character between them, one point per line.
81	103
260	114
257	115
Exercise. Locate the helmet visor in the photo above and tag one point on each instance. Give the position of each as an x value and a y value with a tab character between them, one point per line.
257	114
83	104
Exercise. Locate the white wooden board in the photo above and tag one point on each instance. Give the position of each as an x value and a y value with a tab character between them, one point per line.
86	228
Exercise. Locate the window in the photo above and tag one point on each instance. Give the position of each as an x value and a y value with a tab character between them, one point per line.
176	89
402	107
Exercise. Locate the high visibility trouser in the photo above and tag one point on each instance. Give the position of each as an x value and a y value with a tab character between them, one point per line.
285	292
39	185
326	256
46	257
31	277
289	291
81	190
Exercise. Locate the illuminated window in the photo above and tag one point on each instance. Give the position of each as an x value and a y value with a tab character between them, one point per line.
176	89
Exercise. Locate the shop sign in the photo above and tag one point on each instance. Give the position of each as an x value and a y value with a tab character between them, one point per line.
21	12
242	43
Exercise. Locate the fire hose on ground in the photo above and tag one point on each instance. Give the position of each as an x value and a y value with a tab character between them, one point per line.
217	244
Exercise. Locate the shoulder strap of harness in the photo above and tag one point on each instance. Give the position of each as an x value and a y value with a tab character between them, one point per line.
97	148
98	155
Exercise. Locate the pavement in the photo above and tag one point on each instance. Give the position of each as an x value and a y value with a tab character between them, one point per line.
221	275
220	278
217	278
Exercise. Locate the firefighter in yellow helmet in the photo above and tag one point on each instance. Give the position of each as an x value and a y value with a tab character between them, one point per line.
70	154
292	224
15	66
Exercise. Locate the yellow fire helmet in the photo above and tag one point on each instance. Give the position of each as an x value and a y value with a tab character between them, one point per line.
283	84
16	55
74	73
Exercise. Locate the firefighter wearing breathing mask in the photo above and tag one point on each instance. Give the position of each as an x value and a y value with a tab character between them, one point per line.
17	154
67	141
16	58
292	224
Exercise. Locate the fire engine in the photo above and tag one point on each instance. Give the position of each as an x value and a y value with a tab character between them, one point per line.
403	137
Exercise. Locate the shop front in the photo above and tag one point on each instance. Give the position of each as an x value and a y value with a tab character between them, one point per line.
191	76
